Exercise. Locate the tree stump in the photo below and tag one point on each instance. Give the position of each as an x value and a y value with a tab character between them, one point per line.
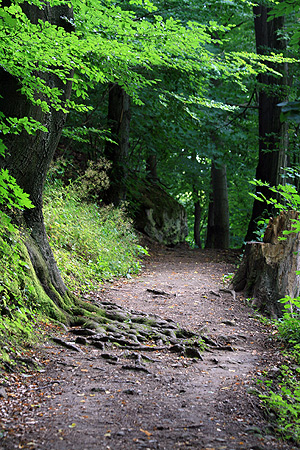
269	270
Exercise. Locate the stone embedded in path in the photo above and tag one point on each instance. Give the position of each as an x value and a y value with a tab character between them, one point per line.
3	393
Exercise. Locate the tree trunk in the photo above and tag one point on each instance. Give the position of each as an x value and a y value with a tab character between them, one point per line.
268	269
28	158
117	151
197	223
151	168
273	135
218	212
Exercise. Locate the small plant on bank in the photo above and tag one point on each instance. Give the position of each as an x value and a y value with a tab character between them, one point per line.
289	324
281	397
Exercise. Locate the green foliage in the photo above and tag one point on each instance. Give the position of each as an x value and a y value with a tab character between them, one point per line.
97	50
282	397
289	328
12	198
290	198
227	278
289	324
90	244
104	29
180	51
288	8
11	195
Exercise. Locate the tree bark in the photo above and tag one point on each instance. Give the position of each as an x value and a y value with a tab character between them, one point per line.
218	212
268	269
151	168
28	157
197	223
117	152
273	135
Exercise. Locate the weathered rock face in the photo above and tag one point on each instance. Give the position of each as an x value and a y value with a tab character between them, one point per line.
159	216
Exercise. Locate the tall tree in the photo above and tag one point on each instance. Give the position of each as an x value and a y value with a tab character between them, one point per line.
218	212
272	89
117	148
179	124
29	155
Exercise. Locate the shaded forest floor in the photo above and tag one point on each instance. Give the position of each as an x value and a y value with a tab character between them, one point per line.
96	399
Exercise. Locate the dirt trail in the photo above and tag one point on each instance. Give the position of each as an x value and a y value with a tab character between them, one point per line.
83	401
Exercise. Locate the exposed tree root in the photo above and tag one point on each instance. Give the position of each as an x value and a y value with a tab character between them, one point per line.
110	324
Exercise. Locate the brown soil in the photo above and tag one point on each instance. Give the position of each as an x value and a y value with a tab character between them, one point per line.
82	401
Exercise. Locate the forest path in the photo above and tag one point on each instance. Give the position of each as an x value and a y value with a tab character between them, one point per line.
85	402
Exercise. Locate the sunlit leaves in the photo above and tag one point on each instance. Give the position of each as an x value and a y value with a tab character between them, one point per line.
11	195
130	43
288	192
284	8
13	125
149	6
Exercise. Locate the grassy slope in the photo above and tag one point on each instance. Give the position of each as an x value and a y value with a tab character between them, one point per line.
90	244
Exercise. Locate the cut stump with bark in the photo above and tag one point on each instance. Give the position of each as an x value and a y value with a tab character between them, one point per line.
268	271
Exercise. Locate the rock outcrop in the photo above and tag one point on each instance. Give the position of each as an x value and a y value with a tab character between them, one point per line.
160	216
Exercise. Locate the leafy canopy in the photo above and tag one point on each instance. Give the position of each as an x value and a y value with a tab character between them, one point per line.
109	41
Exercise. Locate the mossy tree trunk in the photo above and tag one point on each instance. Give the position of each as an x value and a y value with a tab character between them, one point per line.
28	158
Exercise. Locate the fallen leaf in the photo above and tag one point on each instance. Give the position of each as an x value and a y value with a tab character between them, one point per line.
147	433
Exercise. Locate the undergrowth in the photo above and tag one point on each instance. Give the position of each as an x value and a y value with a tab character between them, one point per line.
281	397
91	244
281	393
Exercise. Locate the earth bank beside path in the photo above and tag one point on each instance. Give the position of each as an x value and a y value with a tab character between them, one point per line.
102	399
